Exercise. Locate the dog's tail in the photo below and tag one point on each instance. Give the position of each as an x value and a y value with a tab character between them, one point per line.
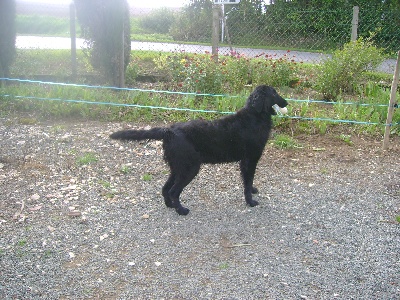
156	133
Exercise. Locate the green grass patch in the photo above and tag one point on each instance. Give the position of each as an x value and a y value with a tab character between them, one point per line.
147	177
86	159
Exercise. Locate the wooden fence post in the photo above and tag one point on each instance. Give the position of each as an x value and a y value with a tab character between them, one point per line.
122	60
72	29
391	103
215	31
354	23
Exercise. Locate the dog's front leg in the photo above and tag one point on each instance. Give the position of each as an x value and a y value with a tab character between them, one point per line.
248	169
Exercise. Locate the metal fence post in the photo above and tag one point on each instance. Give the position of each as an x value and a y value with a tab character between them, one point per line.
354	23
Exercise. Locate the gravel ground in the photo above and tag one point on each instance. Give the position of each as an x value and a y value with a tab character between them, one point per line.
79	226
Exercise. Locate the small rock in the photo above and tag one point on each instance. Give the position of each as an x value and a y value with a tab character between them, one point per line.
74	213
104	236
35	197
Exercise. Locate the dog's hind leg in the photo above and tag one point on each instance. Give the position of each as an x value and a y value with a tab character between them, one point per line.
165	190
248	169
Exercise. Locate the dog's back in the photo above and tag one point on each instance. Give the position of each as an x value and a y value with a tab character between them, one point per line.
224	140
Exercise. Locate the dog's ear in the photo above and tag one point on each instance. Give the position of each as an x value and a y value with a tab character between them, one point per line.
256	100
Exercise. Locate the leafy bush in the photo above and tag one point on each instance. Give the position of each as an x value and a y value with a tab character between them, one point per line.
347	68
132	72
274	71
193	73
201	74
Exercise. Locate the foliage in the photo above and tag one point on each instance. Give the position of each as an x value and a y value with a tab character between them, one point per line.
193	23
284	141
86	159
347	68
132	72
202	74
274	71
158	21
7	36
103	23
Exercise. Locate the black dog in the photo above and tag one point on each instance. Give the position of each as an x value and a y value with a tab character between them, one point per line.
238	137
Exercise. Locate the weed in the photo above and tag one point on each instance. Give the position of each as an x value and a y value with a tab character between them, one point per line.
105	184
27	121
398	219
346	138
58	128
48	253
147	177
125	169
86	159
284	141
22	243
223	266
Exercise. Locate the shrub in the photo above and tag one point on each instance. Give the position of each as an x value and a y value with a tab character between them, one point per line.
193	73
347	68
201	74
274	71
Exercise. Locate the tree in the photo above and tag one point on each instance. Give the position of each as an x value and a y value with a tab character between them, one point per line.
103	24
7	36
194	22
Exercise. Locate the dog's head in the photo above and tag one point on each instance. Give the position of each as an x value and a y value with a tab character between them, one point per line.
263	98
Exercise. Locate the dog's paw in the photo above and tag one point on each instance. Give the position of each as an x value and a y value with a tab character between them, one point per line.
183	211
252	203
254	190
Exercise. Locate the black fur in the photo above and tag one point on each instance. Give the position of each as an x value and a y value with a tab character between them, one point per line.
238	137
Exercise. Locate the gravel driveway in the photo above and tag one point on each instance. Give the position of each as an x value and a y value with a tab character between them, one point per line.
82	217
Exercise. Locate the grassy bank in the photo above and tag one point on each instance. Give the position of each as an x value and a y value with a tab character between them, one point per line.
155	102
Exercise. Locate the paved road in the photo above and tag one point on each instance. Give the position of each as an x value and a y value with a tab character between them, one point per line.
34	42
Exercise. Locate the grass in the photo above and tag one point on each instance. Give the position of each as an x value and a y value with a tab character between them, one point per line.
283	141
43	25
347	139
54	101
125	169
86	159
147	177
